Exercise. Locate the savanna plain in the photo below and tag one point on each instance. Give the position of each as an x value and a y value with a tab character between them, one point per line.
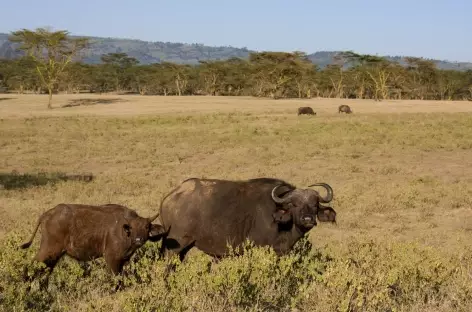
401	173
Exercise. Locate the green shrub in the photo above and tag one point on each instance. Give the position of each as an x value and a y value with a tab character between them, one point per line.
365	277
394	277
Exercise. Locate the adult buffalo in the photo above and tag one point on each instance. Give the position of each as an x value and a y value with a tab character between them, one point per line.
210	213
344	109
86	232
306	110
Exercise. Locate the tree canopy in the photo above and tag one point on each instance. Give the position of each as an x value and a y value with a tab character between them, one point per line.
263	74
50	52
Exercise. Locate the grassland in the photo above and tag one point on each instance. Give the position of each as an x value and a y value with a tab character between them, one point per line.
401	172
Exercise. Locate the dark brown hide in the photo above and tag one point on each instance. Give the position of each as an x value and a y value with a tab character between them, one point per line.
87	232
306	110
344	109
211	213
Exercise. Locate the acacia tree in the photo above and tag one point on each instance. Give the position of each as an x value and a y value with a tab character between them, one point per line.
212	73
52	52
304	72
180	74
337	75
377	68
23	77
273	72
75	78
423	75
120	65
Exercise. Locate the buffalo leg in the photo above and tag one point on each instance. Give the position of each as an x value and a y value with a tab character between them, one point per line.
172	247
49	253
115	265
116	268
51	249
50	259
183	252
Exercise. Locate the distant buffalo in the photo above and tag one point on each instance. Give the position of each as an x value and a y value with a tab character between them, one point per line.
87	232
306	110
344	109
211	213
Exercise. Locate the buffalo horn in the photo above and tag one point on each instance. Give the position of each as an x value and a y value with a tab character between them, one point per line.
329	196
277	199
154	217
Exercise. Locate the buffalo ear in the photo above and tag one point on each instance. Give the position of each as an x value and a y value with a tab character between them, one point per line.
282	216
326	214
127	229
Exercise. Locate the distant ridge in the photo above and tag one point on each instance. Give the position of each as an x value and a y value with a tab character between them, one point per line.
182	53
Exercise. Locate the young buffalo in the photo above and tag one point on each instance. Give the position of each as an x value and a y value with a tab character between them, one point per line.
87	232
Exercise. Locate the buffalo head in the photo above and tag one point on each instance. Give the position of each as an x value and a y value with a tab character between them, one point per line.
139	230
302	206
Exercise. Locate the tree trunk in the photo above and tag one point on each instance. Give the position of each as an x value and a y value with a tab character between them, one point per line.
177	84
360	91
299	87
50	98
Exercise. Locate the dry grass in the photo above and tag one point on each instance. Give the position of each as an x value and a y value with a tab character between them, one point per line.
401	170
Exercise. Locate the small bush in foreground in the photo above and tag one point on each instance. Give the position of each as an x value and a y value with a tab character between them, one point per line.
366	277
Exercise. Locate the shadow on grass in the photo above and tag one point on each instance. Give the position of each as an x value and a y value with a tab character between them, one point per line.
89	102
15	180
5	98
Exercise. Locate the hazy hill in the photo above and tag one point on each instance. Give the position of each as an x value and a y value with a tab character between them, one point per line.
155	52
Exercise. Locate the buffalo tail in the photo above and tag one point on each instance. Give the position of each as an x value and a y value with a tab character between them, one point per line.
28	243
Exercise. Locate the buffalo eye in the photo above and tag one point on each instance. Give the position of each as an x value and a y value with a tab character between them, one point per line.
127	229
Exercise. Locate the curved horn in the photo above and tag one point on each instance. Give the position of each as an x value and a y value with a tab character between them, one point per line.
328	188
277	199
154	217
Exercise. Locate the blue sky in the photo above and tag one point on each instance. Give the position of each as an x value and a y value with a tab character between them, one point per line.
434	29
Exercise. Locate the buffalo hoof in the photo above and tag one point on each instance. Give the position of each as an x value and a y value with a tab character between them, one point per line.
118	287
